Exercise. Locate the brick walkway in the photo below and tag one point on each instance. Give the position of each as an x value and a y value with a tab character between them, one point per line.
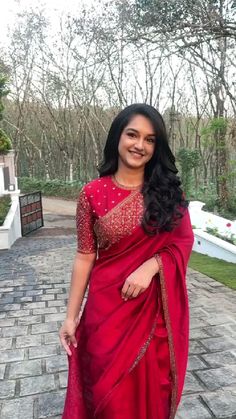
34	278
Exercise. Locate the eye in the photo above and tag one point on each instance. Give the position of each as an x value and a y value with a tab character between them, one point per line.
131	134
151	140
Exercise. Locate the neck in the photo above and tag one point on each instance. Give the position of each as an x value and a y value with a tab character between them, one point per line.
130	177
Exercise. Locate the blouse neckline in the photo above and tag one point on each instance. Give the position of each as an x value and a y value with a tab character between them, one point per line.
128	188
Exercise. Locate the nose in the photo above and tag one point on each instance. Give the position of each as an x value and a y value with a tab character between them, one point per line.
139	144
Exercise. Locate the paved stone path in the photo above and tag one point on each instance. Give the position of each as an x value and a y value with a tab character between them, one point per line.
34	279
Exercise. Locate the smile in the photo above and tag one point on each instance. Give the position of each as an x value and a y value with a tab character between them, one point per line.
135	153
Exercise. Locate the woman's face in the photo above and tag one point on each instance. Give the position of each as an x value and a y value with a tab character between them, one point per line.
137	143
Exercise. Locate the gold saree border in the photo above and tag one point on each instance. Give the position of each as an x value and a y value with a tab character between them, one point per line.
164	297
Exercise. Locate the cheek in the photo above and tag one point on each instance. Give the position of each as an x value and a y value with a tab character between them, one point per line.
151	150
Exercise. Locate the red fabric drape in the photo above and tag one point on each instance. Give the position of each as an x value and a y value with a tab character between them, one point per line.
116	338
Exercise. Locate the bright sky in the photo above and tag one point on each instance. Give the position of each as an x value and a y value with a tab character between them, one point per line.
10	8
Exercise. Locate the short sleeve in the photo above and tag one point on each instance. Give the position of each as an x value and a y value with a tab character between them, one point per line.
86	239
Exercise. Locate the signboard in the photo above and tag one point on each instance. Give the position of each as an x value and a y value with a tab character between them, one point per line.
31	212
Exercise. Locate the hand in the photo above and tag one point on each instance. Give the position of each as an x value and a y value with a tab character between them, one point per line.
67	334
140	279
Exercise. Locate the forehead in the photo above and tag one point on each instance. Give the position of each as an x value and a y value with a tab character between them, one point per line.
142	124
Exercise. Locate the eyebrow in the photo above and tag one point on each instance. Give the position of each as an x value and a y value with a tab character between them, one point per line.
137	132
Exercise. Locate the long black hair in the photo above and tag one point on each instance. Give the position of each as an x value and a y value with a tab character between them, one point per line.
163	196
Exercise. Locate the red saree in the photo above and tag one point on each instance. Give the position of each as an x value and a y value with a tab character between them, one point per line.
131	357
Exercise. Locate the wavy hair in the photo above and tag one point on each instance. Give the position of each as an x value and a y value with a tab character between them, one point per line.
164	200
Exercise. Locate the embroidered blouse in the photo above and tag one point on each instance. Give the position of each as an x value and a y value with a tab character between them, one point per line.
106	212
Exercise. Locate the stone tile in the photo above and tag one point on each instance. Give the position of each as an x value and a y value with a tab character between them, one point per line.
218	319
7	389
14	331
198	322
9	307
63	376
56	303
198	333
18	409
58	363
43	351
220	330
191	385
219	344
26	341
51	338
195	363
50	404
44	328
191	408
12	355
30	320
195	347
5	343
36	305
18	313
54	317
218	377
7	322
46	310
222	403
219	359
25	368
31	293
2	371
39	384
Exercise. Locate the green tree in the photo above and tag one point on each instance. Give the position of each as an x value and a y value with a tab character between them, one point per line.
5	143
188	160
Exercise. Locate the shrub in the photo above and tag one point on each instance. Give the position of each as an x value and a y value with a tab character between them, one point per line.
55	187
5	203
5	143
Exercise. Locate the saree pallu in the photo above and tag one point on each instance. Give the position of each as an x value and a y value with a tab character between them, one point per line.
115	357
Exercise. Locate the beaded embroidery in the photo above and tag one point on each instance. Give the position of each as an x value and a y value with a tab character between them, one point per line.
120	221
86	238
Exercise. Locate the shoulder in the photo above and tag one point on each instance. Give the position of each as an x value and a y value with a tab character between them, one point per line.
95	185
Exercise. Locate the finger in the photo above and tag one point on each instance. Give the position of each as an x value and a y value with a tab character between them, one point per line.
73	341
66	346
135	293
129	291
124	289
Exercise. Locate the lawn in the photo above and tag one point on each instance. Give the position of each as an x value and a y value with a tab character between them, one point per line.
221	271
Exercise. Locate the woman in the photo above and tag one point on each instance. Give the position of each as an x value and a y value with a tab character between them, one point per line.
128	352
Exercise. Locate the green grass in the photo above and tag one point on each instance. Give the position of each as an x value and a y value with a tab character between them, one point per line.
221	271
5	203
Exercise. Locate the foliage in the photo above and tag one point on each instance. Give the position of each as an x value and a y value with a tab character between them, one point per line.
188	160
69	190
220	270
214	232
5	203
5	143
3	92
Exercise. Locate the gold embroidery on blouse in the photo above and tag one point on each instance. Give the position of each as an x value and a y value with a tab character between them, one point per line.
84	221
170	338
120	221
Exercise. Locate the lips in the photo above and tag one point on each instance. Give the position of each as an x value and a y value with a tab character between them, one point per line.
136	153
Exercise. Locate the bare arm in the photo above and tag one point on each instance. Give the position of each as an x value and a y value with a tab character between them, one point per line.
82	267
